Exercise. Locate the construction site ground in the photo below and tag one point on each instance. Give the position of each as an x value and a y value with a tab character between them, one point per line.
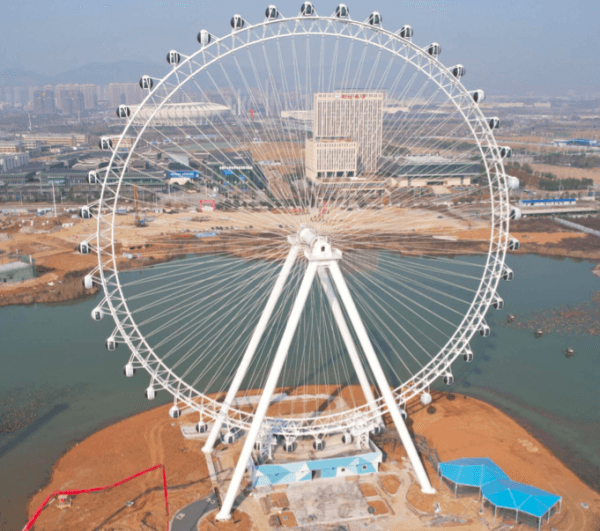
52	242
460	427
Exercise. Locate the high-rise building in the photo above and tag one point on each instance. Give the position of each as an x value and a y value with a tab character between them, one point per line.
38	102
90	96
32	97
43	102
23	96
125	93
66	103
49	103
78	101
357	116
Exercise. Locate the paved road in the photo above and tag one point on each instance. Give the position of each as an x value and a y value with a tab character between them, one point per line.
187	518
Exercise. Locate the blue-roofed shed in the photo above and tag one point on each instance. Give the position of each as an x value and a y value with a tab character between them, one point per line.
497	488
471	472
519	497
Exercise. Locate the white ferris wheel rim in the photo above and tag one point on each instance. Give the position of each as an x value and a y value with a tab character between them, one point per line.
106	274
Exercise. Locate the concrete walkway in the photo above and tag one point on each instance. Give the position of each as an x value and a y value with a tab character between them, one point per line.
187	518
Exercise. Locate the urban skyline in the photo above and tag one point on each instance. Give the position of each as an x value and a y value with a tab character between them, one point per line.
552	66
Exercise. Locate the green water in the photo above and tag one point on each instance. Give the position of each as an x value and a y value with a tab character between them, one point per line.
57	377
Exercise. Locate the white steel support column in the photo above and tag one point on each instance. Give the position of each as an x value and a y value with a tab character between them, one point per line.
348	341
265	399
252	346
384	387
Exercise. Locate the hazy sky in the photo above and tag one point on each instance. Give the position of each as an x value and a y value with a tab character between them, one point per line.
544	47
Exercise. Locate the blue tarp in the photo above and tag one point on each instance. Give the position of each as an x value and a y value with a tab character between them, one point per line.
519	497
473	472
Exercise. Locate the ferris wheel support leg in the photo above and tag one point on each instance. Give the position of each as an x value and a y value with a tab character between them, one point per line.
347	337
251	349
382	383
265	399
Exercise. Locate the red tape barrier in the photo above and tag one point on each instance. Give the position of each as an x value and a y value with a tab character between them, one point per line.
96	489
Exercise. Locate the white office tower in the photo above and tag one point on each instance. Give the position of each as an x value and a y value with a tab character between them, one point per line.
354	116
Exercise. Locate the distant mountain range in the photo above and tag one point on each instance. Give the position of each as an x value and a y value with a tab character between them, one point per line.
96	73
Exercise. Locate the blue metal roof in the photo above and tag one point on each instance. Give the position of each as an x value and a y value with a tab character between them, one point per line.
532	201
474	472
517	496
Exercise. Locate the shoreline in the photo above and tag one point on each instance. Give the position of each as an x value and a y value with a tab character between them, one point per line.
560	452
120	433
71	288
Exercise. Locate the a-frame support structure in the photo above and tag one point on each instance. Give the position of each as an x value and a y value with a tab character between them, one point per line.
322	260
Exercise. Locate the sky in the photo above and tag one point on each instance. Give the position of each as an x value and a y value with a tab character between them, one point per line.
512	47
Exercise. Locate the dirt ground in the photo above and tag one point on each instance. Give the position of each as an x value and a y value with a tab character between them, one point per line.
61	267
546	237
390	483
466	427
367	490
379	507
459	428
115	453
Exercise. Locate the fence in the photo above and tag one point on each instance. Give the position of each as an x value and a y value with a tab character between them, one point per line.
577	226
97	489
427	452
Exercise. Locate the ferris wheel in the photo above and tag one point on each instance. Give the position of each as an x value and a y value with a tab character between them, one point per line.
300	229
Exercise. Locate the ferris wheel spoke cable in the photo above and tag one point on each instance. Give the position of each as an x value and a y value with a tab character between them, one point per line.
278	103
418	273
406	283
398	295
173	270
383	150
203	308
216	303
366	295
207	301
261	359
197	331
421	266
272	134
378	347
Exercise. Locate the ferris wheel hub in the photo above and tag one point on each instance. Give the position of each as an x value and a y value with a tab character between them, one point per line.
316	247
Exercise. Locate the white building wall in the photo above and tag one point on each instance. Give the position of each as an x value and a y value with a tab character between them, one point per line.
330	156
354	115
11	162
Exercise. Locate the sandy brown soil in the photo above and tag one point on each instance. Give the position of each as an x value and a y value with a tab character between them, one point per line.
390	483
459	428
117	452
379	506
367	490
61	268
471	428
546	237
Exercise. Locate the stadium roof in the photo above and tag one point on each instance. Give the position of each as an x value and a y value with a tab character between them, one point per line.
519	497
473	472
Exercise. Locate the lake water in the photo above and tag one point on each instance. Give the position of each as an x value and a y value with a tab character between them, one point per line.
57	378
